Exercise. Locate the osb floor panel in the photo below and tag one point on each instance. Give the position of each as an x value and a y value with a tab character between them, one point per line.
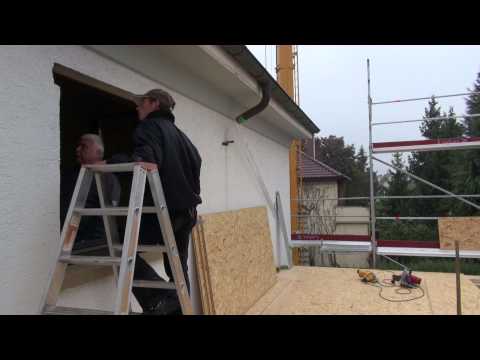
334	291
464	229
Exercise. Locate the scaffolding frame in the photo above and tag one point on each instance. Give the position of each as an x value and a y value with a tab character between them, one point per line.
450	144
392	147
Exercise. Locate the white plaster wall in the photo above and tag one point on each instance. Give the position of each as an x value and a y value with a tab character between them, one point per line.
29	167
351	228
350	222
355	226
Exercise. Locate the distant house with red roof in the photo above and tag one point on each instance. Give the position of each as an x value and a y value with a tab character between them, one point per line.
320	211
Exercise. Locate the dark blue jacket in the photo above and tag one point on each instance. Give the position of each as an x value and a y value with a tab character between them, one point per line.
158	140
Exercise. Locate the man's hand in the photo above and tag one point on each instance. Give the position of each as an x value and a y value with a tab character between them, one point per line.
147	166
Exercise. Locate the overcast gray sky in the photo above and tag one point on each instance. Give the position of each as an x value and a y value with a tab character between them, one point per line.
333	85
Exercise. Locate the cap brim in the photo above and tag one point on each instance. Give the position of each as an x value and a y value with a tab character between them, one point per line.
137	98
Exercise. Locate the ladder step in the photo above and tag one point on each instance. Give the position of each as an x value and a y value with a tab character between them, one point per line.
61	310
112	211
155	284
110	168
146	248
90	260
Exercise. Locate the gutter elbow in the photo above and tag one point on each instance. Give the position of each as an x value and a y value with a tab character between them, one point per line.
266	95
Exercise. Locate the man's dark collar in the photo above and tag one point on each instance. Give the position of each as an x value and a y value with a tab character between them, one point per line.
161	114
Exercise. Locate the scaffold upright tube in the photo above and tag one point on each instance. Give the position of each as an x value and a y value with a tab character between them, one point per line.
370	170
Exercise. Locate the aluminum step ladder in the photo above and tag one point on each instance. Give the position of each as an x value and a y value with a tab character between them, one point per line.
122	256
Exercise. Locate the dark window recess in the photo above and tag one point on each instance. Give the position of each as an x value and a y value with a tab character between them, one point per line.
86	109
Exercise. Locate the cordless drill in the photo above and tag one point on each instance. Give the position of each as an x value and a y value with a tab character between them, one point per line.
367	276
406	279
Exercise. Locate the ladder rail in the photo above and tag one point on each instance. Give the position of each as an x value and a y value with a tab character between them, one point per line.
110	230
169	240
130	242
67	238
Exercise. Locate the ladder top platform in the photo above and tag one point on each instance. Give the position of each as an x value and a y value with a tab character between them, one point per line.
125	167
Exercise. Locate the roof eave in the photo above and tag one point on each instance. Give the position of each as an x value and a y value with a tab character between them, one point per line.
249	63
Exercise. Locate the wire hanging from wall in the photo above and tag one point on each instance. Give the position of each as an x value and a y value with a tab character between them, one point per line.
272	71
265	63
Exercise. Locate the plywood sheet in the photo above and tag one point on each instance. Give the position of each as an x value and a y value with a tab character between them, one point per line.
441	288
265	301
331	291
202	274
234	260
464	229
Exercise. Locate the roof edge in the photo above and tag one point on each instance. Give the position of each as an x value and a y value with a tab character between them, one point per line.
250	64
338	173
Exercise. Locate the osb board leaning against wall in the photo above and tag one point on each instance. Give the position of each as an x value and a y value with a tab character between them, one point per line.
234	260
464	229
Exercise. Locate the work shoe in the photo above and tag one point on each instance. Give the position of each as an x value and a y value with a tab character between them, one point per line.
165	307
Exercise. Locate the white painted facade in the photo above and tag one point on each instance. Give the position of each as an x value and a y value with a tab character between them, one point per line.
205	111
353	220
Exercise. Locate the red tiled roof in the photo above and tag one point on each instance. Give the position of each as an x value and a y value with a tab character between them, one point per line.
315	169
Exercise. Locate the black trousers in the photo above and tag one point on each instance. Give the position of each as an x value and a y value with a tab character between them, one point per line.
182	222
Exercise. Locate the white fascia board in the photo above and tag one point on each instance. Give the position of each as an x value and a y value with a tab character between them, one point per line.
224	60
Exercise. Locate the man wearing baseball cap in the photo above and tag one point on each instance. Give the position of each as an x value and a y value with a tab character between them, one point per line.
158	140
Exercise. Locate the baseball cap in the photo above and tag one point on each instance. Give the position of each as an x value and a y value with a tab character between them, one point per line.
166	100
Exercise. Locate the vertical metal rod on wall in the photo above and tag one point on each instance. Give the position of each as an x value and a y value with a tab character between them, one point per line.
457	270
372	194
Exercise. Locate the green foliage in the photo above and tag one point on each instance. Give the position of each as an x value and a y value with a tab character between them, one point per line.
438	167
407	230
333	152
457	171
468	168
473	107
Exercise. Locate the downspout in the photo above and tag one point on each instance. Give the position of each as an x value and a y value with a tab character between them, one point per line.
266	93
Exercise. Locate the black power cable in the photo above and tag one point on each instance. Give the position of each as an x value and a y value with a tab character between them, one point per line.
400	291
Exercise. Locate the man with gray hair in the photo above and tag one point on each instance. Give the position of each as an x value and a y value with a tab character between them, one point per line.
89	151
